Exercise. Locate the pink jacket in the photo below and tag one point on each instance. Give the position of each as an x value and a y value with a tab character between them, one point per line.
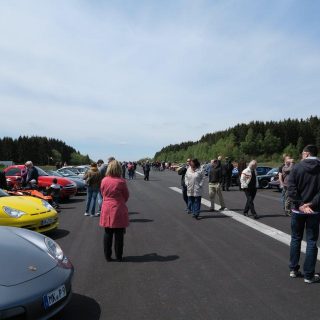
114	212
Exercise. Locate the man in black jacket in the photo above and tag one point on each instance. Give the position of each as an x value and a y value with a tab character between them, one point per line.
182	172
30	179
215	179
304	191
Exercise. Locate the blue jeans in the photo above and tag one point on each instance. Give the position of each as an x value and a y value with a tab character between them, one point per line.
299	222
92	194
99	197
194	204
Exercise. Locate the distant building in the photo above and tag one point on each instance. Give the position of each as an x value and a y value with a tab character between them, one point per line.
6	163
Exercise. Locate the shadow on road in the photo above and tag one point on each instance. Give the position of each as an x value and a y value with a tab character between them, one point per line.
216	216
80	308
133	212
150	257
58	234
141	220
272	216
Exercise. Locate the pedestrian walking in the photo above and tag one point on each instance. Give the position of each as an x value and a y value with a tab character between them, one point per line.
304	191
182	172
285	158
146	170
114	213
249	185
215	179
93	179
130	168
194	181
124	168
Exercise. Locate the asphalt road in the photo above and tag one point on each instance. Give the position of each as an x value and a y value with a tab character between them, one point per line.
176	267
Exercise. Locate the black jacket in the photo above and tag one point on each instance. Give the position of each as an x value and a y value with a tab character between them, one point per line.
304	184
182	172
215	174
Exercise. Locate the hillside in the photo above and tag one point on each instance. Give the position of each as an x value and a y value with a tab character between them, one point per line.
266	141
41	150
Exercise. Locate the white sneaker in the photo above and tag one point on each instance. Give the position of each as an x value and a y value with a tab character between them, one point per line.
295	274
97	214
87	214
314	279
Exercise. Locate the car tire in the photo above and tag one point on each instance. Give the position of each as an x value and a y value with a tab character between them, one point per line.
264	184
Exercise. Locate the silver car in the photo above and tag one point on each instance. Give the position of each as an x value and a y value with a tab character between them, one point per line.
35	275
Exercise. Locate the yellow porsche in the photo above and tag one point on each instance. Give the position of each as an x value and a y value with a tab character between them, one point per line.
27	212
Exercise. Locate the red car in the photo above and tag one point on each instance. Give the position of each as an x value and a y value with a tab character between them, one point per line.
69	188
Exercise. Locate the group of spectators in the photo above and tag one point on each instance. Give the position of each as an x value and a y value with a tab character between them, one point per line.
301	200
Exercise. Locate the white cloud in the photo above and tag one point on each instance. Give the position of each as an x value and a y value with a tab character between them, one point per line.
137	79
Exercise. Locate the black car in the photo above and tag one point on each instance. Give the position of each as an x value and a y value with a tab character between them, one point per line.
263	180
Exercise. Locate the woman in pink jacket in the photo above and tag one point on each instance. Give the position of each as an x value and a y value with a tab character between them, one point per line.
114	212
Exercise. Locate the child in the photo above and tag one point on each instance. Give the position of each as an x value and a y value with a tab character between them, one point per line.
54	191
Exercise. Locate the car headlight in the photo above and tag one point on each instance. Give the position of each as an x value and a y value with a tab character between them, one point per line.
54	249
47	204
56	253
13	213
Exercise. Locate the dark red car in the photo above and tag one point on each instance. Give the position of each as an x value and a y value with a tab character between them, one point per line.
69	188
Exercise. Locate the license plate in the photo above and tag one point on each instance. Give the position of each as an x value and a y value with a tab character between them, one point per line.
54	296
47	221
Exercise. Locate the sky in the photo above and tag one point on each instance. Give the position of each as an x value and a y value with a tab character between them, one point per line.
126	78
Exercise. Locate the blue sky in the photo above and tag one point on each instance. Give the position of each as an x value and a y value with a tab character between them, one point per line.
126	78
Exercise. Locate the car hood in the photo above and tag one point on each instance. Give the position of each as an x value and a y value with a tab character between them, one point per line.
24	203
21	259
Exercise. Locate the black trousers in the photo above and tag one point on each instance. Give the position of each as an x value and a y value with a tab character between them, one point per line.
146	175
184	194
250	194
118	242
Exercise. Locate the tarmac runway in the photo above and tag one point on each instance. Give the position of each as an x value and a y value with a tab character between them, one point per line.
176	267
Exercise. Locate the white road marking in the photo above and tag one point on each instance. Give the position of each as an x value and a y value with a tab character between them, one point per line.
254	224
141	174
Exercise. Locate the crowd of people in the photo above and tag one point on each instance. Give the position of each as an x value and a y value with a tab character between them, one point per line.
300	184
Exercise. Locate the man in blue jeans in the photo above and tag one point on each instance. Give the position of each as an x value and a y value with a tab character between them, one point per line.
304	191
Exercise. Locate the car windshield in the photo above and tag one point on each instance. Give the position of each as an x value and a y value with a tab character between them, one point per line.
73	170
3	194
272	171
41	172
67	172
54	173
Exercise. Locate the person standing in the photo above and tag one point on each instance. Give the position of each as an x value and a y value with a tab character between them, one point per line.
93	180
304	192
194	181
146	170
114	213
285	177
249	185
102	167
285	158
215	178
124	168
182	172
228	167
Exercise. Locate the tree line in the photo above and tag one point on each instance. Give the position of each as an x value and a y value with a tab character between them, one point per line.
40	150
265	141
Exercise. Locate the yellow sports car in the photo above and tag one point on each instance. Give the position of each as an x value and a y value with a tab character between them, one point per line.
27	212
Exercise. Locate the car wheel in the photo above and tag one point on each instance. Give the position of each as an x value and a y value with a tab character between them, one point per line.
264	184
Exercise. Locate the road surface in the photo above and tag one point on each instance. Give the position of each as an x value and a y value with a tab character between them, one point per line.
176	267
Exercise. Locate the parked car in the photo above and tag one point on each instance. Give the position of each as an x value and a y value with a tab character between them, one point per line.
275	183
235	176
263	170
81	185
263	180
27	212
69	188
75	171
35	277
